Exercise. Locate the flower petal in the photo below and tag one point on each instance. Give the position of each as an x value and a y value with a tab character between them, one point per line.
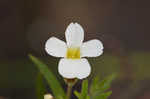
56	47
92	48
74	68
74	35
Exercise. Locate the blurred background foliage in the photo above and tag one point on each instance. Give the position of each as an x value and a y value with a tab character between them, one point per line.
122	25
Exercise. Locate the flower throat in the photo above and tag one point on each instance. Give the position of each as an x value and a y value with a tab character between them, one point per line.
73	53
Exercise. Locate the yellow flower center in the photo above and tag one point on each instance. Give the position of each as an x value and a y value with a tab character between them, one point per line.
73	53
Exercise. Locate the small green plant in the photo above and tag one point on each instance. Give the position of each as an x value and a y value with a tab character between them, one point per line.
73	65
97	89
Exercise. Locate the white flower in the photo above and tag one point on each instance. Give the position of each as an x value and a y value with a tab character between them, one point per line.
73	64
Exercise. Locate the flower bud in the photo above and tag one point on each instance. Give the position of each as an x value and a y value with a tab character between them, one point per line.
48	96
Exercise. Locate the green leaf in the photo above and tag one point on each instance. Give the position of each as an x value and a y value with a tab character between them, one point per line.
88	97
102	86
78	95
84	90
94	86
49	76
97	88
103	95
40	88
105	84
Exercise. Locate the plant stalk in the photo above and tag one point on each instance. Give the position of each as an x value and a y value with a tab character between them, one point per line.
69	90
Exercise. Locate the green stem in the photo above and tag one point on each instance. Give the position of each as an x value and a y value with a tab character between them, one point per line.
69	90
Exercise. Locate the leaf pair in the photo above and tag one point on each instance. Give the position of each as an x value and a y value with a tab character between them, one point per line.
97	89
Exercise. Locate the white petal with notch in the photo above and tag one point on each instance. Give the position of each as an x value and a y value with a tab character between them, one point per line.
74	68
74	35
56	47
92	48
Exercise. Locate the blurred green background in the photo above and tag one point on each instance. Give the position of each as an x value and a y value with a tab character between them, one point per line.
122	26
